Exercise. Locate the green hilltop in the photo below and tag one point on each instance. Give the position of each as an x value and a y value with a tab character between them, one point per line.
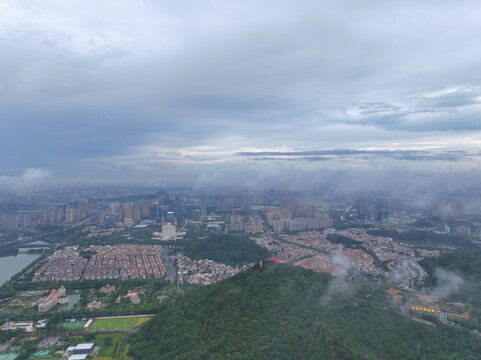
281	312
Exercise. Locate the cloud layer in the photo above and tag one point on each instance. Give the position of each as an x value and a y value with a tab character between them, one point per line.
174	93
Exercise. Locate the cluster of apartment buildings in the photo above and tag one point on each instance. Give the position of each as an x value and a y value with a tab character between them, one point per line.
313	250
63	265
204	271
248	224
129	213
297	218
362	261
75	211
302	224
282	249
321	263
15	221
126	261
314	239
10	218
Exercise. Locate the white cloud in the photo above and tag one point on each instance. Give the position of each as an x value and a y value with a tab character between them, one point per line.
30	179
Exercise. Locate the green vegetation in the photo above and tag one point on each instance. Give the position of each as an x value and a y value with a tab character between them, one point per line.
228	249
7	235
427	239
282	312
51	227
123	323
8	250
345	224
343	240
429	222
149	292
109	345
466	264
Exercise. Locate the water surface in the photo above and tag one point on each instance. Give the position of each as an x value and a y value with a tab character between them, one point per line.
10	265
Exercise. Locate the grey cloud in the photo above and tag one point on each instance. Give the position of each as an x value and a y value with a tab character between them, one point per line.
79	86
451	109
313	155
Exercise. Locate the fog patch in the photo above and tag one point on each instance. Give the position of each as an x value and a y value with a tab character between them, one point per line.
339	286
447	283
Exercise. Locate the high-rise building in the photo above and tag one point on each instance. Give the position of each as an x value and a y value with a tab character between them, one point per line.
170	216
246	207
203	205
52	215
145	211
14	222
136	213
236	223
361	208
226	204
8	208
168	231
71	214
381	210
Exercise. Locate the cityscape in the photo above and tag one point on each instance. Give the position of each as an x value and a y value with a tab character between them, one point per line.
161	244
240	180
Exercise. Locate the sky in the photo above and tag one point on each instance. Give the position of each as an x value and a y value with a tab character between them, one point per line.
294	94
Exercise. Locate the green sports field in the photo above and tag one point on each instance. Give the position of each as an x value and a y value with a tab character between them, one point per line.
71	325
9	356
39	354
124	323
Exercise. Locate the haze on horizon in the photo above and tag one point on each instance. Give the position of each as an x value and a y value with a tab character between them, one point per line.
346	94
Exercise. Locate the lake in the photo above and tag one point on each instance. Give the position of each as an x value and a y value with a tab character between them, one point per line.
72	300
10	265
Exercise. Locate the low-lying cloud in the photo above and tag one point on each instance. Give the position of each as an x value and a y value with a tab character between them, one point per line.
447	283
29	179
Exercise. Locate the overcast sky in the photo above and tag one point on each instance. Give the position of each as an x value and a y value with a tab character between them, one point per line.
241	92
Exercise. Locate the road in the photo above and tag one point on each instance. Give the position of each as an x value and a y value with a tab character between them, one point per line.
346	212
24	241
169	268
120	354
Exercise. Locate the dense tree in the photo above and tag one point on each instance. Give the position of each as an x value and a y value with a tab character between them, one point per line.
225	248
424	238
281	312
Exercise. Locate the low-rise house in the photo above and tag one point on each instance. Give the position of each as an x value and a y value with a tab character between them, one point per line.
108	289
133	297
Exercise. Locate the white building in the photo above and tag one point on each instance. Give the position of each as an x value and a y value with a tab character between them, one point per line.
55	297
21	325
168	231
79	352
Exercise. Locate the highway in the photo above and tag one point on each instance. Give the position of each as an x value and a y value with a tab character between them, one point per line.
24	241
169	268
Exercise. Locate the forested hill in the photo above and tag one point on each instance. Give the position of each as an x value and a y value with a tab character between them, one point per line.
282	312
466	263
225	248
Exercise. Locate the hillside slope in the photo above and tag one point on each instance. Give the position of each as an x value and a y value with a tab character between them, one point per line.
281	312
